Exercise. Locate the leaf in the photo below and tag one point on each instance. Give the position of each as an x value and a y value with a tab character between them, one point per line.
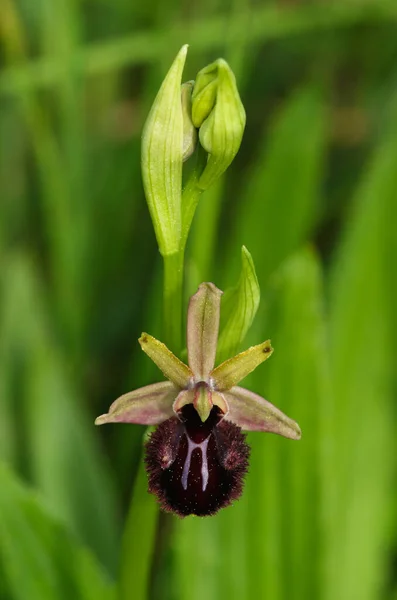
283	486
238	308
41	560
362	344
64	459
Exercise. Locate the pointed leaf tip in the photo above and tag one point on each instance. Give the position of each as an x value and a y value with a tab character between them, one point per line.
238	309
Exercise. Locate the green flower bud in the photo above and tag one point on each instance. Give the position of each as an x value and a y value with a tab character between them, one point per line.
219	113
162	157
189	130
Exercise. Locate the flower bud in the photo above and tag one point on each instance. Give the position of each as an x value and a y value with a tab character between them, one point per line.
219	113
162	157
189	130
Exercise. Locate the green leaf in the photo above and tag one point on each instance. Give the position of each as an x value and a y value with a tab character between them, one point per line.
283	486
363	365
238	308
40	559
60	441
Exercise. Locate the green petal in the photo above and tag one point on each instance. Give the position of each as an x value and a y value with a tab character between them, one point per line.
253	413
172	368
201	399
233	370
148	405
203	402
202	329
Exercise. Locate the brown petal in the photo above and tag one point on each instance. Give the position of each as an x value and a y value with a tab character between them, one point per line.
172	368
202	329
253	413
148	405
233	370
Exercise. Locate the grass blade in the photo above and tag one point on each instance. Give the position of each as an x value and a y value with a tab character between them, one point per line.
40	558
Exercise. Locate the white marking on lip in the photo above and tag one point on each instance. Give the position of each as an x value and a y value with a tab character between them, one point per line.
204	462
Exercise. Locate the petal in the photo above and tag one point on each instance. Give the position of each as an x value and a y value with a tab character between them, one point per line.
148	405
173	368
184	397
202	329
253	413
233	370
195	467
219	401
201	399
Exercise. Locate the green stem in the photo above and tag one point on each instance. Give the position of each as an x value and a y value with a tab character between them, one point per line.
207	219
172	300
191	195
174	263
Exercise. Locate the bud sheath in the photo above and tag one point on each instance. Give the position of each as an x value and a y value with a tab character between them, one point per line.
162	157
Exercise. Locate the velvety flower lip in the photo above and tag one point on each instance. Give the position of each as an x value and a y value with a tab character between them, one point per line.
197	458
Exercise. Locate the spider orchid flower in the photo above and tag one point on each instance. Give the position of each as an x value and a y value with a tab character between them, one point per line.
197	457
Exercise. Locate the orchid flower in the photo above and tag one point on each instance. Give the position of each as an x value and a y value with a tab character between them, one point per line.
197	457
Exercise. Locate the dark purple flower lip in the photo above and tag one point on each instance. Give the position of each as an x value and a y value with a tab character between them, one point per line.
196	467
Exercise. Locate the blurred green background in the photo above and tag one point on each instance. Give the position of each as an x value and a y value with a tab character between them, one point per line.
312	194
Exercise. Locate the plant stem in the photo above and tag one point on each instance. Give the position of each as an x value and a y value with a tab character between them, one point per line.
174	263
172	300
191	195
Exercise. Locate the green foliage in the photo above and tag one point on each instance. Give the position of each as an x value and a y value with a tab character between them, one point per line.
40	558
238	308
311	193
